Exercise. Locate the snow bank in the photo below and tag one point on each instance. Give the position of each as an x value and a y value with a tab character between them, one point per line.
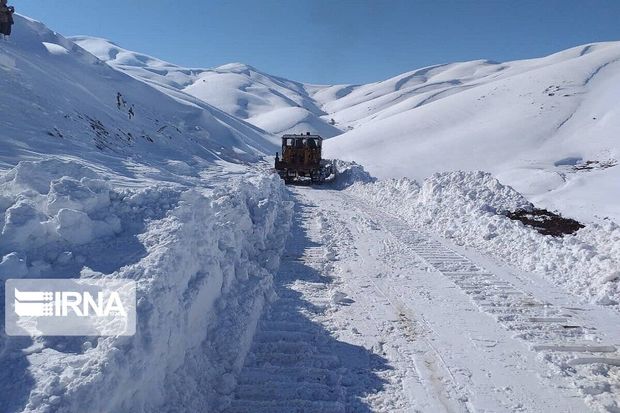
348	173
203	260
54	208
475	191
466	207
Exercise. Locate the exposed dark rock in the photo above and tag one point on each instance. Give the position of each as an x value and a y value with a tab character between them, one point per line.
546	222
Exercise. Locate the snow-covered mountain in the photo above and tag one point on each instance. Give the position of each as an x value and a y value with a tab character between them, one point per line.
272	103
546	126
59	99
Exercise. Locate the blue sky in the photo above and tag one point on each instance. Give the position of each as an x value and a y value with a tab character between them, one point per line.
335	41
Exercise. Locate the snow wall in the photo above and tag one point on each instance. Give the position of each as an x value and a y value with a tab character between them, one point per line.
203	259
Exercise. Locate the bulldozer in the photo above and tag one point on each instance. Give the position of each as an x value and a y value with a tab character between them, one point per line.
301	160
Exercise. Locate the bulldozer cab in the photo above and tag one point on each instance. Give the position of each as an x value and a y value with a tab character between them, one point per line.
301	158
301	150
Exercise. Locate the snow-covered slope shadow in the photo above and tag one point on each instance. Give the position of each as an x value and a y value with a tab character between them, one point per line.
295	364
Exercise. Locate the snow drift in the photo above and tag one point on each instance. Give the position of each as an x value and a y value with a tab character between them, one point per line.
203	260
467	208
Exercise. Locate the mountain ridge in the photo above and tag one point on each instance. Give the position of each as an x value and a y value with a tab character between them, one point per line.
518	120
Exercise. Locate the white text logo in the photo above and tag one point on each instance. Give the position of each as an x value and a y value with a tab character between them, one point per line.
64	303
70	307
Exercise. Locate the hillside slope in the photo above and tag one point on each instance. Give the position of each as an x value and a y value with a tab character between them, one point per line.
59	99
546	126
269	102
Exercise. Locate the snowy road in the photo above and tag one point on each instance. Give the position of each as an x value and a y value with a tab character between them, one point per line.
374	316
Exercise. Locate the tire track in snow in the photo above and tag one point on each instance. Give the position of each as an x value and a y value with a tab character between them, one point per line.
421	380
471	365
560	333
374	316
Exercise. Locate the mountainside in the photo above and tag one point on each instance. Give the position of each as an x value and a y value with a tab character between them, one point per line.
274	104
58	99
546	126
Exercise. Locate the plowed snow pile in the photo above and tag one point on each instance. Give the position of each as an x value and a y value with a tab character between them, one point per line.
468	207
203	260
348	173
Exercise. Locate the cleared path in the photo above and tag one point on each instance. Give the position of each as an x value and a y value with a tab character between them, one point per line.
376	316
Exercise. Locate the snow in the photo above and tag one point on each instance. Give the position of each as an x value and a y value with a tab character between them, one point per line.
274	104
517	120
203	258
349	173
412	292
55	49
416	322
167	198
294	120
467	208
65	104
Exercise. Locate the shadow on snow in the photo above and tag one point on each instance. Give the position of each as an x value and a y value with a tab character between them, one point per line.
297	363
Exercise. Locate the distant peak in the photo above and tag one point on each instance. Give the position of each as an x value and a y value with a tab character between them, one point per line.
81	38
237	67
